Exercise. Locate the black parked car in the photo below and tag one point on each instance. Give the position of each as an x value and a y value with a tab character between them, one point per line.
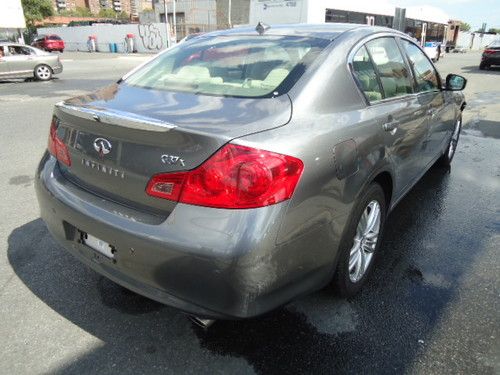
491	55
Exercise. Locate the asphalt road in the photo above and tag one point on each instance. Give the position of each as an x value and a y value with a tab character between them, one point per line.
431	307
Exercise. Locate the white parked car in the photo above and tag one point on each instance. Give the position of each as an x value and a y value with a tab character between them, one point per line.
433	50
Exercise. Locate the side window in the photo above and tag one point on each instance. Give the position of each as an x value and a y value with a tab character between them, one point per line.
394	74
19	50
425	74
364	72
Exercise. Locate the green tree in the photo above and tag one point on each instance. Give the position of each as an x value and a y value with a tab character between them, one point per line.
78	12
464	26
493	30
107	13
37	10
123	15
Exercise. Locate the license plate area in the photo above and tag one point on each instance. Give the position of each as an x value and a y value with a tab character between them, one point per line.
102	247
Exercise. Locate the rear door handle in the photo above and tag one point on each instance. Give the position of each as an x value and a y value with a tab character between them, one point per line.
391	126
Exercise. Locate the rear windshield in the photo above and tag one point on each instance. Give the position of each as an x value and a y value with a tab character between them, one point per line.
241	66
54	37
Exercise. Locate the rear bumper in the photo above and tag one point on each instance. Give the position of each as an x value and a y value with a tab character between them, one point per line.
58	69
490	60
212	263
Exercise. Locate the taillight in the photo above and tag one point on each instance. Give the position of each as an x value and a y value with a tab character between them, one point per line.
489	51
56	145
234	177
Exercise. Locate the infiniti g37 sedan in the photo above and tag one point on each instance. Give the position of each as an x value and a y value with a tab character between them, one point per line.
241	169
20	61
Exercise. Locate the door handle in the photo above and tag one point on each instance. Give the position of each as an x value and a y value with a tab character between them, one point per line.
391	126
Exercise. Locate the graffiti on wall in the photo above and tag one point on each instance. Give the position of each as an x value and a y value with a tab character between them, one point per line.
151	36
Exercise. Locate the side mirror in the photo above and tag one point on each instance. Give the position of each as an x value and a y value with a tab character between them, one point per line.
454	82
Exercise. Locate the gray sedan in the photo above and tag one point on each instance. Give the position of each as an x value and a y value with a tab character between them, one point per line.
21	61
243	168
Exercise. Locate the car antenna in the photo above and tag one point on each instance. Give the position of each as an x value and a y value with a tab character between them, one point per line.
262	27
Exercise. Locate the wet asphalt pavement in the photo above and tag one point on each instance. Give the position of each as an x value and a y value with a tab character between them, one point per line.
432	305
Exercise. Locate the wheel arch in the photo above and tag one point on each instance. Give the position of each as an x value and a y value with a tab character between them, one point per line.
384	179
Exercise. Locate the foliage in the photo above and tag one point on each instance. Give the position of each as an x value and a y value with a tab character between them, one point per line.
464	26
493	30
123	15
110	13
37	10
78	12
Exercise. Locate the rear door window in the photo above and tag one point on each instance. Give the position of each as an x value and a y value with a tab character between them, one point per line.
365	74
425	74
391	67
20	50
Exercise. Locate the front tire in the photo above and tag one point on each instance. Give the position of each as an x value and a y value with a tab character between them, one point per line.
361	241
43	72
447	157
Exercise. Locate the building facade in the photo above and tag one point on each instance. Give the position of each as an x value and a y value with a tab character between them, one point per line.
197	16
424	23
12	22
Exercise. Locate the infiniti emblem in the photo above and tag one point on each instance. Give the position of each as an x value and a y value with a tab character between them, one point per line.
102	146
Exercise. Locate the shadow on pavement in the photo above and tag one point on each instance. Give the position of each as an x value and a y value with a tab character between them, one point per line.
382	330
475	69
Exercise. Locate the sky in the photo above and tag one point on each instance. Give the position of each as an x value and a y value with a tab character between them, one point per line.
473	12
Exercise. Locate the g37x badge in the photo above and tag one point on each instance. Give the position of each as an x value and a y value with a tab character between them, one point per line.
172	160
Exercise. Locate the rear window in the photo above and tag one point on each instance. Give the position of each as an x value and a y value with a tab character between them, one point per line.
241	66
54	37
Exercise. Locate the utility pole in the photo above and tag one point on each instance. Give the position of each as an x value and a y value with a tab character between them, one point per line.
229	13
166	22
175	21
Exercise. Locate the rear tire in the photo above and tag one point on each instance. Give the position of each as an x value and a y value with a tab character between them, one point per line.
448	155
482	66
43	72
361	241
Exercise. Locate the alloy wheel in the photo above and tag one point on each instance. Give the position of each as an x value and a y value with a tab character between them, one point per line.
43	72
365	241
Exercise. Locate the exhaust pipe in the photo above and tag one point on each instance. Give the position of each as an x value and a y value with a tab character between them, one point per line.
200	322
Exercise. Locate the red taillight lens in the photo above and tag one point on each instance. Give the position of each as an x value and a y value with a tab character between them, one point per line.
56	145
489	51
234	177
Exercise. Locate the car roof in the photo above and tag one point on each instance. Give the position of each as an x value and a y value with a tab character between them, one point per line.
325	31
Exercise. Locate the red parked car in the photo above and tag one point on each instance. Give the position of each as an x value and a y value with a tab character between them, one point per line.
49	43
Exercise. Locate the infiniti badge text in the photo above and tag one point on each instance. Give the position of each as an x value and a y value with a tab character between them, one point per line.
103	168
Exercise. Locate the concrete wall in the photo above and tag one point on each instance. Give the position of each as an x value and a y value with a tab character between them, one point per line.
240	10
148	37
475	41
279	11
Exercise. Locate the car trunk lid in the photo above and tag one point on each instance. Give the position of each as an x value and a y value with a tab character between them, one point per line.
120	136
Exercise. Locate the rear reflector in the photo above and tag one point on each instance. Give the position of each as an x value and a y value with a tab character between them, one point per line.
56	145
234	177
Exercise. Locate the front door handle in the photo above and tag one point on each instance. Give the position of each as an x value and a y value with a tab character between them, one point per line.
391	126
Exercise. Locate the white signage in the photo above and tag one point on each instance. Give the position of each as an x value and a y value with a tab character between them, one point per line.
11	15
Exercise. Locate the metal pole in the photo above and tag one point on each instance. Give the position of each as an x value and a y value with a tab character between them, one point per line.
175	21
166	22
229	13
